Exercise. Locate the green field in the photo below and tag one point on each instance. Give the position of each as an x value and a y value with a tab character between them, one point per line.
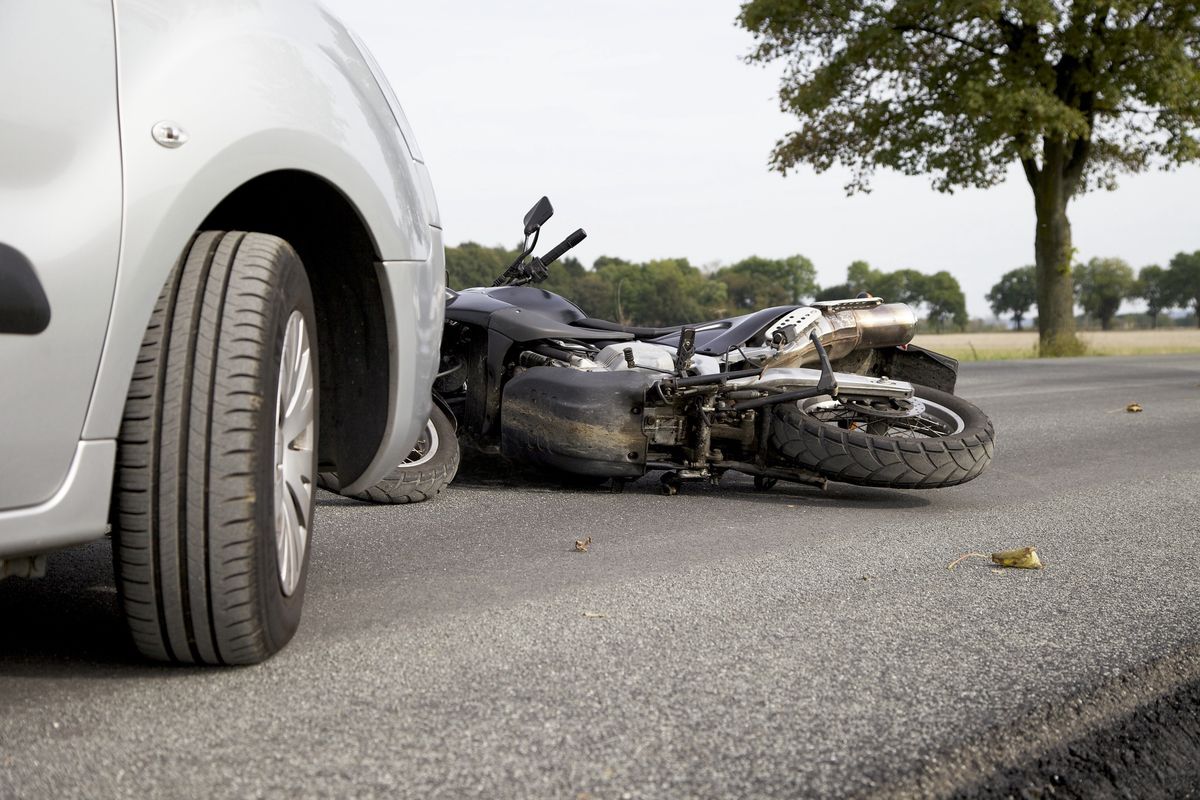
1012	344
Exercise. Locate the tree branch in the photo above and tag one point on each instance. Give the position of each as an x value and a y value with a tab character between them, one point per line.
1032	173
913	26
1075	165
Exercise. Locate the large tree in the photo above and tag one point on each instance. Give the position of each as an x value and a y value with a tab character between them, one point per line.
1075	92
1014	294
1102	284
1184	279
944	300
1153	287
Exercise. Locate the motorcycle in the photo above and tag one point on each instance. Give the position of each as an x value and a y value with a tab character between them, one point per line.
830	391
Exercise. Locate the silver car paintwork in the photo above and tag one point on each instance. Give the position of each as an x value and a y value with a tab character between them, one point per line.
259	87
60	204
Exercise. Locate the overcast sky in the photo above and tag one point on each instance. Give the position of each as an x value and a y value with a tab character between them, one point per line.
644	126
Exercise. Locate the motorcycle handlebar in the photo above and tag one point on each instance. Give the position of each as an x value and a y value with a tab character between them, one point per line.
563	246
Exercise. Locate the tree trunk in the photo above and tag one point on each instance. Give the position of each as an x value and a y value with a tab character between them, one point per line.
1052	247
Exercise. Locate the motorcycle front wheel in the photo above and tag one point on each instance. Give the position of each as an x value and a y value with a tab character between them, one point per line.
934	440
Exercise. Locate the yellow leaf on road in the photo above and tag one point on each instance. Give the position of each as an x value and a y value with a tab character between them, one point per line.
1024	558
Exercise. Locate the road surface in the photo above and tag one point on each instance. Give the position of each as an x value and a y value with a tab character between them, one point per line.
721	643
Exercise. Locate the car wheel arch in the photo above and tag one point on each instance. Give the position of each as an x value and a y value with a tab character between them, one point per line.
339	256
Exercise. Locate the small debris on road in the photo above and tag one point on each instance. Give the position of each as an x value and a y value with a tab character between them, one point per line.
1134	408
582	545
1024	558
594	615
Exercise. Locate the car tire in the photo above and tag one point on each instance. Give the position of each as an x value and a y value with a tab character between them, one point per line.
216	456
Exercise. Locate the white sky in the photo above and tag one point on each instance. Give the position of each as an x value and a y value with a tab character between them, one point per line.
643	125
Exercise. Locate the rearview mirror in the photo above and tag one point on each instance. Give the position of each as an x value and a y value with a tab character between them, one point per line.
537	216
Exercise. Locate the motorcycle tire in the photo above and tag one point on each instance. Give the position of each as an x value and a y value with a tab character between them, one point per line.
949	442
429	468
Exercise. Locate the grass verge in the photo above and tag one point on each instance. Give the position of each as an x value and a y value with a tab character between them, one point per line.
1004	346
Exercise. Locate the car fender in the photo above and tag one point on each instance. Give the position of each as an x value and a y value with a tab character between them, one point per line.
250	89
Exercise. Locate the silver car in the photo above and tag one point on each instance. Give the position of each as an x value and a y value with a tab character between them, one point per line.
221	269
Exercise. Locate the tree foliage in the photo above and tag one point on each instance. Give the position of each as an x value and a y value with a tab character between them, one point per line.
1075	92
1183	277
1152	286
756	282
1014	294
939	294
1102	283
472	264
663	292
671	291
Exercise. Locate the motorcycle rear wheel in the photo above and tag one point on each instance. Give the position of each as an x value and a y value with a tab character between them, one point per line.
947	441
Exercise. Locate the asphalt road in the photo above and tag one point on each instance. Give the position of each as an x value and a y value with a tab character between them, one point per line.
721	643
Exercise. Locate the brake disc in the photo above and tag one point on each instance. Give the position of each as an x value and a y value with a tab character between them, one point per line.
908	408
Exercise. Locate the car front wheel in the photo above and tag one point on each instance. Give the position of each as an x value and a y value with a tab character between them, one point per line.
216	456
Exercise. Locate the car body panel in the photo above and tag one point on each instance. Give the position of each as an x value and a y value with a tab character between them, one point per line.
251	104
60	206
257	88
76	513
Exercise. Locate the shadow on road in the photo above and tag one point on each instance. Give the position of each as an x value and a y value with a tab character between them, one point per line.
68	623
484	474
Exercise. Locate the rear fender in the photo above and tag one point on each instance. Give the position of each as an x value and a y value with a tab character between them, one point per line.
915	364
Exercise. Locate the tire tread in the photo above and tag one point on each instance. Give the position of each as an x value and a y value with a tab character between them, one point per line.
864	459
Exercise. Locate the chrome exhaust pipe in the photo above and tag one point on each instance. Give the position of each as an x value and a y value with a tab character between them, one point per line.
843	327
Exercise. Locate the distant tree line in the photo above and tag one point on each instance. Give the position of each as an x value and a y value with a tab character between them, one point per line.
1102	284
672	291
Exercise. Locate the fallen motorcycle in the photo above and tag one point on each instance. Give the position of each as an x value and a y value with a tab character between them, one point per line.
830	391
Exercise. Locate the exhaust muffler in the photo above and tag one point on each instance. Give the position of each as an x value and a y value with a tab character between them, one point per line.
843	326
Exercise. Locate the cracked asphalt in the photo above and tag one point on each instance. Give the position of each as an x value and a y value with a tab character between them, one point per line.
721	643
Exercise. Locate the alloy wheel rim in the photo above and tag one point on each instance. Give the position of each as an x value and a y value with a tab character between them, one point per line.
425	448
294	465
927	420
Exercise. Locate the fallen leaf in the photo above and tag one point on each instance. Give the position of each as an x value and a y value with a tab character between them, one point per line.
595	615
582	545
1134	408
1023	558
